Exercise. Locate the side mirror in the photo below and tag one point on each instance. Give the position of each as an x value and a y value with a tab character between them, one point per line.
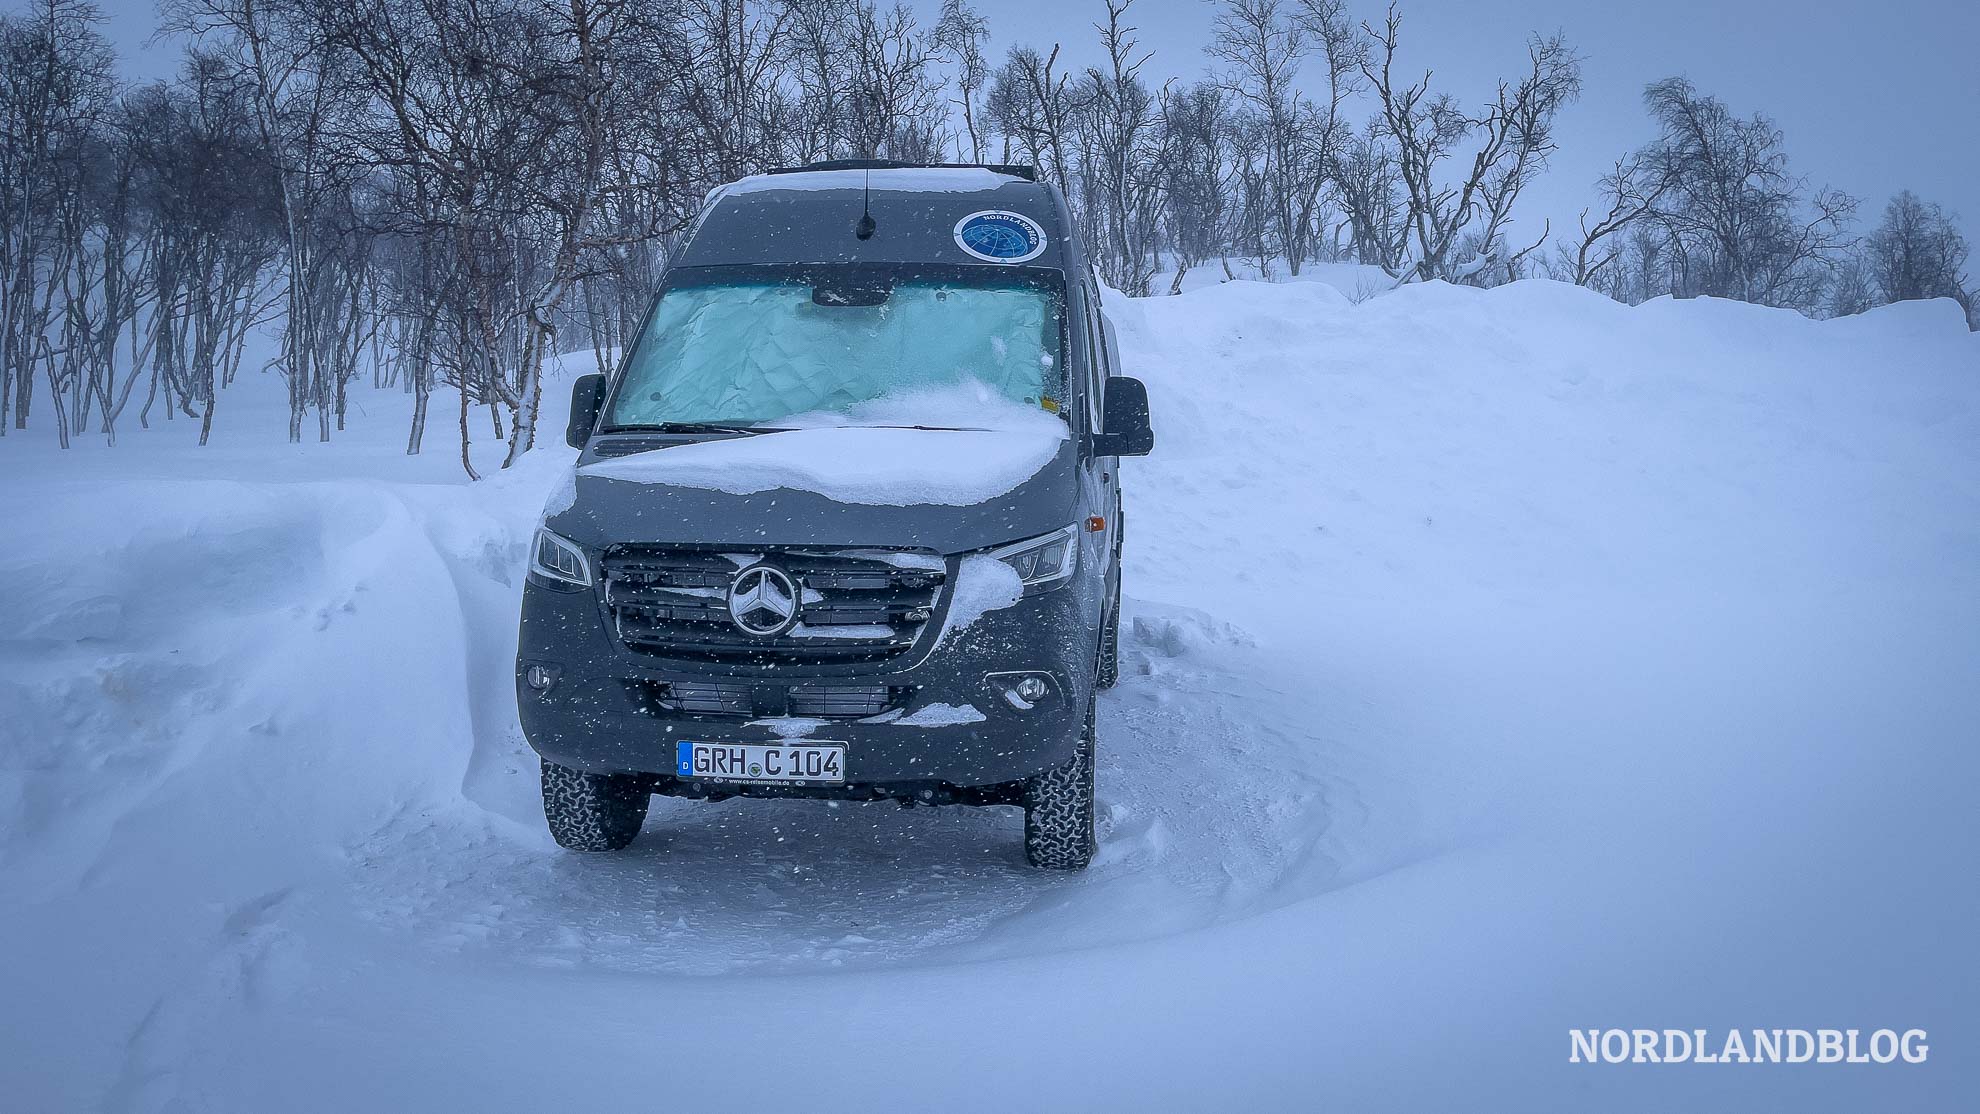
587	398
1124	428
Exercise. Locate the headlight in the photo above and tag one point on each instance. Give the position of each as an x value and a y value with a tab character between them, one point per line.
554	558
1043	562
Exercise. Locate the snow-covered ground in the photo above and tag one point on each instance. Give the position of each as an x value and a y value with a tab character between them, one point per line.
1498	663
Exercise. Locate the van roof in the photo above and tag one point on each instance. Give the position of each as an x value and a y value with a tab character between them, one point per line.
1021	170
808	215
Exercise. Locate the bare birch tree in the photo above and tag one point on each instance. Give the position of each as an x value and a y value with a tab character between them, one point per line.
1513	137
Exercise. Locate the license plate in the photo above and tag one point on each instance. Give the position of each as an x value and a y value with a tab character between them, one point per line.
781	763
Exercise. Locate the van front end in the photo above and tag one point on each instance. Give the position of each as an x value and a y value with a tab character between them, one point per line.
969	683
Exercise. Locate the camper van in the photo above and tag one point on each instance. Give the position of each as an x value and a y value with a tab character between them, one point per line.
846	521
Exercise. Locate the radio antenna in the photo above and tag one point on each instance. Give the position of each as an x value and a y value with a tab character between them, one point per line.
864	229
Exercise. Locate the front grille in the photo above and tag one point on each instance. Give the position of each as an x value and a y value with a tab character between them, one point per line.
855	605
839	701
744	700
708	698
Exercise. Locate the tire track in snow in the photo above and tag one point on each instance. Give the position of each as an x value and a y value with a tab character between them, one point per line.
240	970
1211	811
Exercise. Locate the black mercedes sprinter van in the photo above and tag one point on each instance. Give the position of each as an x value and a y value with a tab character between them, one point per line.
847	518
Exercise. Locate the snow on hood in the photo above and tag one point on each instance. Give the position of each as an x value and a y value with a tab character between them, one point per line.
850	464
869	454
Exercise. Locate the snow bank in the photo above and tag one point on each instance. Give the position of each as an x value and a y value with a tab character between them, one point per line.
1355	281
1497	661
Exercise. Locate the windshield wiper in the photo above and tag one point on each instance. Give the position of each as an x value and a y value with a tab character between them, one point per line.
693	427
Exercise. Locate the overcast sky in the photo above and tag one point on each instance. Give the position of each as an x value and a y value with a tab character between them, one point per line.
1873	97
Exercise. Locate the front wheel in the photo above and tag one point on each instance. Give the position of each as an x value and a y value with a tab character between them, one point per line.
593	812
1058	811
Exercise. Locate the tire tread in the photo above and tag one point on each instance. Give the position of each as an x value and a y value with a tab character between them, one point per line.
593	812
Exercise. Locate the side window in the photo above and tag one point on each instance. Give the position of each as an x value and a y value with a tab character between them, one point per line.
1097	360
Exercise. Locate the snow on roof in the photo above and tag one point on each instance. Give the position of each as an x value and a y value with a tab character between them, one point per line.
932	179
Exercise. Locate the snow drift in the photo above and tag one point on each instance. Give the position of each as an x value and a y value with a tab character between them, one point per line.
1498	662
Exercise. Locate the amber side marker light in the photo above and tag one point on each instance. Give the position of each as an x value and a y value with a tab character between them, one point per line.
1096	523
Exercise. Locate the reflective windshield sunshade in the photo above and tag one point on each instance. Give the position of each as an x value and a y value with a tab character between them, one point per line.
759	352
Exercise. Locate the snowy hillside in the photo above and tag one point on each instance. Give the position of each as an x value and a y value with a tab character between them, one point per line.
1498	662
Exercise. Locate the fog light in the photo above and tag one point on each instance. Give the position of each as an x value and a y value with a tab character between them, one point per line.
542	678
1022	691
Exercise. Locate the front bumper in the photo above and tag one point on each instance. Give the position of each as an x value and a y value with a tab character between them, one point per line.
595	718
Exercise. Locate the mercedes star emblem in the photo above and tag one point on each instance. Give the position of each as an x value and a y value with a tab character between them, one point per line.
763	601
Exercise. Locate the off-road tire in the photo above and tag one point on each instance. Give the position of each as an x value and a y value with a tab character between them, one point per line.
1058	811
593	812
1108	673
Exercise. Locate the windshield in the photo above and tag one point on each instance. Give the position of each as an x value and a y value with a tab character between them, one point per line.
824	349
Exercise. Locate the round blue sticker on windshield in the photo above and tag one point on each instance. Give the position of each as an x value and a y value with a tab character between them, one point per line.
999	236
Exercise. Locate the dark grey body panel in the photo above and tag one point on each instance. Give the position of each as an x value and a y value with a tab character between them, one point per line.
612	510
815	226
